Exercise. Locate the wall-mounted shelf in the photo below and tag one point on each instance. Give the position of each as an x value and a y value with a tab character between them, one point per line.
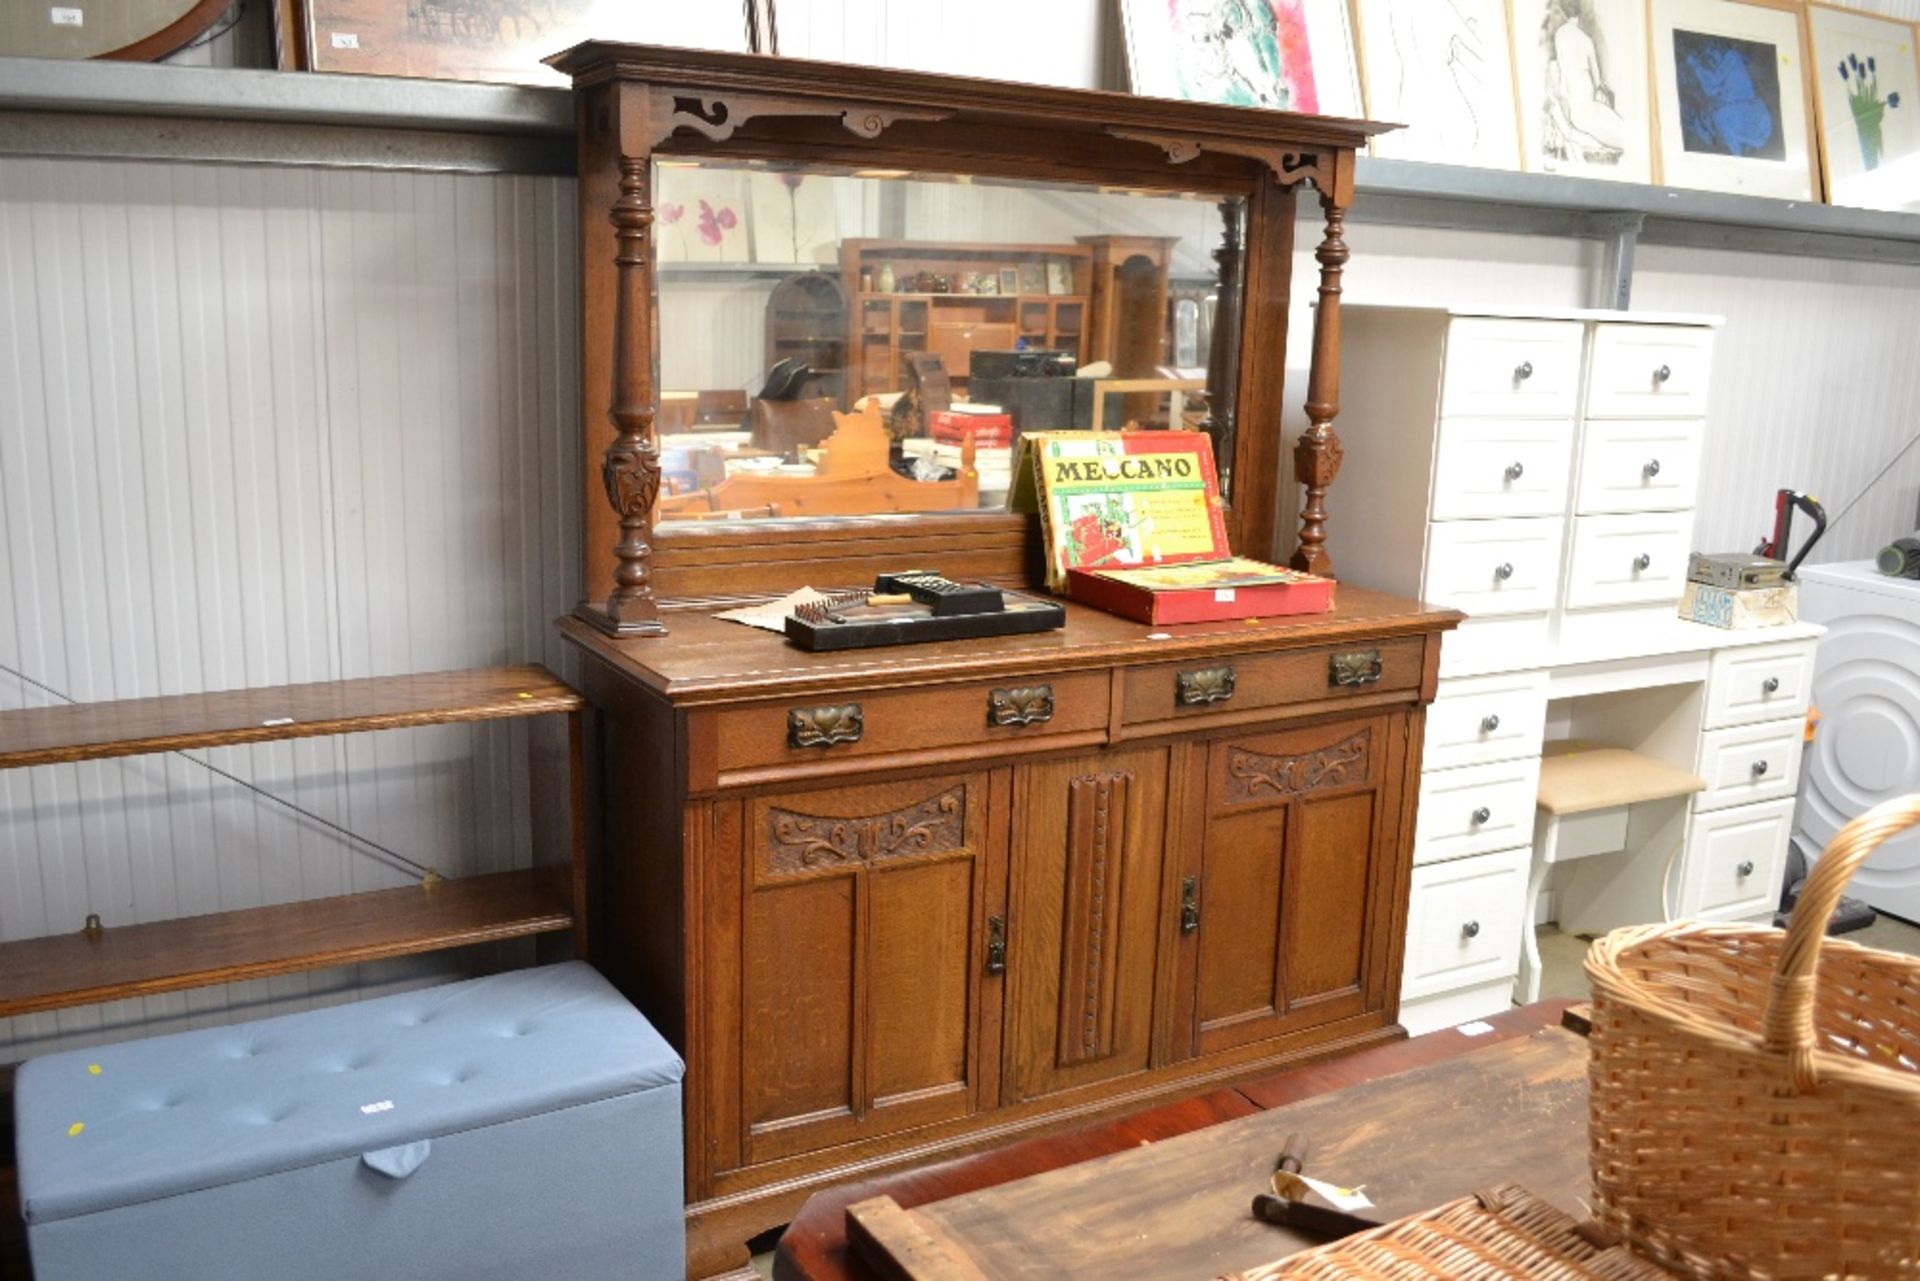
138	111
116	961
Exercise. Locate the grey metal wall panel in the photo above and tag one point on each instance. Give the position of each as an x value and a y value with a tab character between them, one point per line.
262	426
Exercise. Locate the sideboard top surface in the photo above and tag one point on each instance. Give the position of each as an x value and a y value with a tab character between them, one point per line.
706	659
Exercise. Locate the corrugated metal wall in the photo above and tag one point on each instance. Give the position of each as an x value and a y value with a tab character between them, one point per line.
261	426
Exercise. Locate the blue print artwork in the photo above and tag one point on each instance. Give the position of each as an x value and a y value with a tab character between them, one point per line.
1729	95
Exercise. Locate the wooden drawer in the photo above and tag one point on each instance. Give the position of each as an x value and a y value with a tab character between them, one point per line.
1637	465
1759	683
1628	560
1243	682
1735	861
1748	763
1511	368
1649	371
877	722
1476	809
1494	566
1486	718
1501	467
1465	922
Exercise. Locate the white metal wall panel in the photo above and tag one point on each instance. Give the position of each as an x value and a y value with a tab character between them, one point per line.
261	426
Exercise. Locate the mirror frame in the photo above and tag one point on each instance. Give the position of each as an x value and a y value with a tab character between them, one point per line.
635	102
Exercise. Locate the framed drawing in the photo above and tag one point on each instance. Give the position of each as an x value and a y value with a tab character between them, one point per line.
1290	55
498	40
127	31
1580	71
1866	76
1730	97
794	217
700	213
1442	69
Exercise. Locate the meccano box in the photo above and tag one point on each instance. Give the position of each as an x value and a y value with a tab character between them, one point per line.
1133	523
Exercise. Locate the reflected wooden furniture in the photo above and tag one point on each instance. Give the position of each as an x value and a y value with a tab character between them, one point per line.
807	320
851	479
112	961
1129	319
1153	389
885	327
1161	1193
785	425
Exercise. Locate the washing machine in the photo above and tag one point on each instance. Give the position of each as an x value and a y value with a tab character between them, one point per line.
1866	685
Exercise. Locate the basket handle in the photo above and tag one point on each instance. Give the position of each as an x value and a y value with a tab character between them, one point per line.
1788	1027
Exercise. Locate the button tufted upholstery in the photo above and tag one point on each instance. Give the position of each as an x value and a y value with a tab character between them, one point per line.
517	1060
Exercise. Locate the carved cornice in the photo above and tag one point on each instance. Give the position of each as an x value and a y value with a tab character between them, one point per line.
1289	166
718	116
1255	776
807	842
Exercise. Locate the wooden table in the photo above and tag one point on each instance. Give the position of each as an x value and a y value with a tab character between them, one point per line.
1145	1196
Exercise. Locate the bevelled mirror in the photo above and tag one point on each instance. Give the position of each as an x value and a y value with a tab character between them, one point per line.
843	342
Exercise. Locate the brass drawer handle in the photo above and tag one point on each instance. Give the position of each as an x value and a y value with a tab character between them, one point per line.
824	726
1204	685
1022	705
1359	667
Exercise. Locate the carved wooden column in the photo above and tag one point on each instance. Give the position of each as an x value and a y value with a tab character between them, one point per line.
630	468
1316	455
1223	352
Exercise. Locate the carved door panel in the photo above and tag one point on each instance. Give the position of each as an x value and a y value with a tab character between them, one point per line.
1299	855
1086	909
864	960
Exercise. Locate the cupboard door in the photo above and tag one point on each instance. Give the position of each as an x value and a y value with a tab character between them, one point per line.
1298	867
863	960
1085	918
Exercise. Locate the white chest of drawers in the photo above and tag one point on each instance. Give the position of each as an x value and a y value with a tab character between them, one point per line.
1538	472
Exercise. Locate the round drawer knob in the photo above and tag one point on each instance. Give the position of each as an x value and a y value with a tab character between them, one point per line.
1471	930
1745	869
1759	769
1663	373
1481	815
1490	723
1523	371
1771	685
1642	561
1516	470
1652	468
1503	572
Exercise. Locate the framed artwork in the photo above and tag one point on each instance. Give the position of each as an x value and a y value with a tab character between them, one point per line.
497	40
1580	73
127	31
699	213
1288	55
1866	75
1442	69
1009	280
1059	276
795	219
1033	278
1730	97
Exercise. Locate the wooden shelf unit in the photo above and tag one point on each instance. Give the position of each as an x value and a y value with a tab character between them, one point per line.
117	962
886	325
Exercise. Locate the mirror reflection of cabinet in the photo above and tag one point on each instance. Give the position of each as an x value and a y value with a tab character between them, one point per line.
807	321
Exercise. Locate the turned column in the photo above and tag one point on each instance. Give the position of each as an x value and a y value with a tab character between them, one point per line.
1316	455
1223	350
630	469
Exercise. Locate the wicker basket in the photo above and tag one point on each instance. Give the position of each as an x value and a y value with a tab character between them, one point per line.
1502	1234
1746	1120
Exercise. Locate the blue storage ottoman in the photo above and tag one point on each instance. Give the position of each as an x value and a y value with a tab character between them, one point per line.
523	1125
